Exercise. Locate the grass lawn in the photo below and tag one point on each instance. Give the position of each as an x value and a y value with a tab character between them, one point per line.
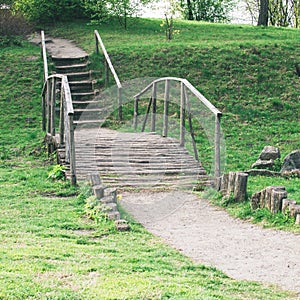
49	249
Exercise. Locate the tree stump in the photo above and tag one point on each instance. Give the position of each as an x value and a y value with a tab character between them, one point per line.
255	200
224	184
297	219
268	195
276	200
294	210
286	203
240	186
231	184
263	198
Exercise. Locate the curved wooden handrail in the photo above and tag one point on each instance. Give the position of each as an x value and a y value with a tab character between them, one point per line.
185	108
209	105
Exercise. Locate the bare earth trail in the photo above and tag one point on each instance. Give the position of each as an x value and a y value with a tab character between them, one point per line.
210	236
207	234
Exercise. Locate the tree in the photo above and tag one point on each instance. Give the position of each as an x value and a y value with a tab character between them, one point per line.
276	12
207	10
263	17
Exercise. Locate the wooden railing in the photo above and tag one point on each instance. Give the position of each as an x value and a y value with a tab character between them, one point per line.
56	89
109	66
186	88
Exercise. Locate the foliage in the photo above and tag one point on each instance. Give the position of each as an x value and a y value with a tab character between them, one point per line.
96	10
207	10
57	172
12	28
43	11
276	12
103	10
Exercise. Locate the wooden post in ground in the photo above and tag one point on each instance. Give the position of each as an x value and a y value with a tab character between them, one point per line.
136	112
62	118
72	151
182	114
120	104
166	108
217	172
188	105
153	117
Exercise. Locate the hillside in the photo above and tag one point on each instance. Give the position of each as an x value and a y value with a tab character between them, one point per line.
247	72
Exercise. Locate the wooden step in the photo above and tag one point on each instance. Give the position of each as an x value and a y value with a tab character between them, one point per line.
81	67
67	61
82	96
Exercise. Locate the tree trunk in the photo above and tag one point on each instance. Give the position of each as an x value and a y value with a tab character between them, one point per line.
190	10
263	13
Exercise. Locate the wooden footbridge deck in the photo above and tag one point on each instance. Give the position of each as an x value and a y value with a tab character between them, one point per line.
74	112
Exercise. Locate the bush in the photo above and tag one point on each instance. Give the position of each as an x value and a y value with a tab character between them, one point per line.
13	24
44	11
12	28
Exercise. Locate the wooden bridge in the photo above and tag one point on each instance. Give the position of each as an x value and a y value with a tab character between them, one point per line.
158	150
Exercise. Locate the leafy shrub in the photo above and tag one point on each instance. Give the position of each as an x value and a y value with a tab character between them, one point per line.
58	172
44	11
12	28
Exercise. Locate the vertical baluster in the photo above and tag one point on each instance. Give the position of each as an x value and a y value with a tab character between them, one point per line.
188	105
182	115
166	108
62	116
136	112
153	117
120	103
217	146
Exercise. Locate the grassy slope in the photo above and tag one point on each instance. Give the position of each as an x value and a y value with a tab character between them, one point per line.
49	250
246	72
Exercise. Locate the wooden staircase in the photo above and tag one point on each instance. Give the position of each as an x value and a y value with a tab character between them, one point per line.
84	89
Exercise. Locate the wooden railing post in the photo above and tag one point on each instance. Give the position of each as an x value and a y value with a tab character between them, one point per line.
136	112
72	151
166	108
153	116
97	44
217	146
48	104
53	96
44	101
106	73
182	115
120	111
188	105
62	117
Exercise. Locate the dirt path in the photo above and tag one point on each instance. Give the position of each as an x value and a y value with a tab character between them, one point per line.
57	47
209	236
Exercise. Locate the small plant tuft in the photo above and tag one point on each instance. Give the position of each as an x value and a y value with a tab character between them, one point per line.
58	172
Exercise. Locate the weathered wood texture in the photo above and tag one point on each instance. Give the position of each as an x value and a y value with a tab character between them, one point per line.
141	160
233	184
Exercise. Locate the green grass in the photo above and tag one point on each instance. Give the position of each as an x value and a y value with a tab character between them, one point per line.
49	249
247	72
